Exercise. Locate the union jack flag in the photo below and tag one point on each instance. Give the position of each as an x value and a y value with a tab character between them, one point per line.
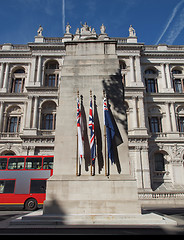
79	131
92	134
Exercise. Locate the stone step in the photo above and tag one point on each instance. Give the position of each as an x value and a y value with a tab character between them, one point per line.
94	219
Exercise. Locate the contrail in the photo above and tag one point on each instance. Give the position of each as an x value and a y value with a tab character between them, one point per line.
63	13
170	20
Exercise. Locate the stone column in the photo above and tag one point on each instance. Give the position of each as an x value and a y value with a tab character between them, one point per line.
141	113
168	117
32	71
28	114
35	115
138	69
168	75
132	74
6	76
1	116
134	115
173	118
2	75
146	171
163	76
39	71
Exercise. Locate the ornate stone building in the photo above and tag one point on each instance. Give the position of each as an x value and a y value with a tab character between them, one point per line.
153	80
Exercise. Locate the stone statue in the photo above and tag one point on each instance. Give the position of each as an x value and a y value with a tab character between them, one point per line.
40	30
77	31
85	29
68	28
102	29
132	32
93	31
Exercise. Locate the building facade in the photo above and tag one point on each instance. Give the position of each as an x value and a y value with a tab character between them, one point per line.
153	80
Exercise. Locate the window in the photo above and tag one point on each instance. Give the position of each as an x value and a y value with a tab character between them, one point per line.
13	119
178	85
181	124
13	124
48	163
151	80
51	80
3	163
48	116
51	73
155	124
151	85
176	71
53	64
159	162
48	121
7	186
17	85
16	163
18	79
150	71
33	163
38	186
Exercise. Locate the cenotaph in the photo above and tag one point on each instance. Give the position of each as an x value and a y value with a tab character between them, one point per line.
90	64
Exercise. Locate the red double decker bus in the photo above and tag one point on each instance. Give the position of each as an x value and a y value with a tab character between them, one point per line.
23	180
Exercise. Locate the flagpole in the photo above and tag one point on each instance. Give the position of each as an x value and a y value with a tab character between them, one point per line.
105	144
77	158
91	157
77	152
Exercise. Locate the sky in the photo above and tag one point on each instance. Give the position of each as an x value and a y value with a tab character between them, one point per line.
155	21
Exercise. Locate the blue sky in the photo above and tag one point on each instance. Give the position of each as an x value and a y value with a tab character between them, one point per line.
155	21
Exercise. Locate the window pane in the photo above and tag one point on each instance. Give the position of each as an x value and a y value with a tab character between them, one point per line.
48	163
13	124
16	163
49	121
181	124
155	124
38	186
178	86
159	162
151	85
33	163
3	163
7	186
52	80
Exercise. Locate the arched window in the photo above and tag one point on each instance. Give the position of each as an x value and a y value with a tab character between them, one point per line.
150	71
151	80
8	153
18	80
180	116
13	119
122	64
159	162
178	82
48	116
51	74
155	119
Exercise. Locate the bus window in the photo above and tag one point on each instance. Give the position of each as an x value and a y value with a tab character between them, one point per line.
3	163
38	186
33	163
7	186
16	163
48	163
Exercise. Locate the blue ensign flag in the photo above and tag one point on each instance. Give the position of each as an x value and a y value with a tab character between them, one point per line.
110	131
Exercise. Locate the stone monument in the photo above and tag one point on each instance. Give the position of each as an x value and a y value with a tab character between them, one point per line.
90	65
